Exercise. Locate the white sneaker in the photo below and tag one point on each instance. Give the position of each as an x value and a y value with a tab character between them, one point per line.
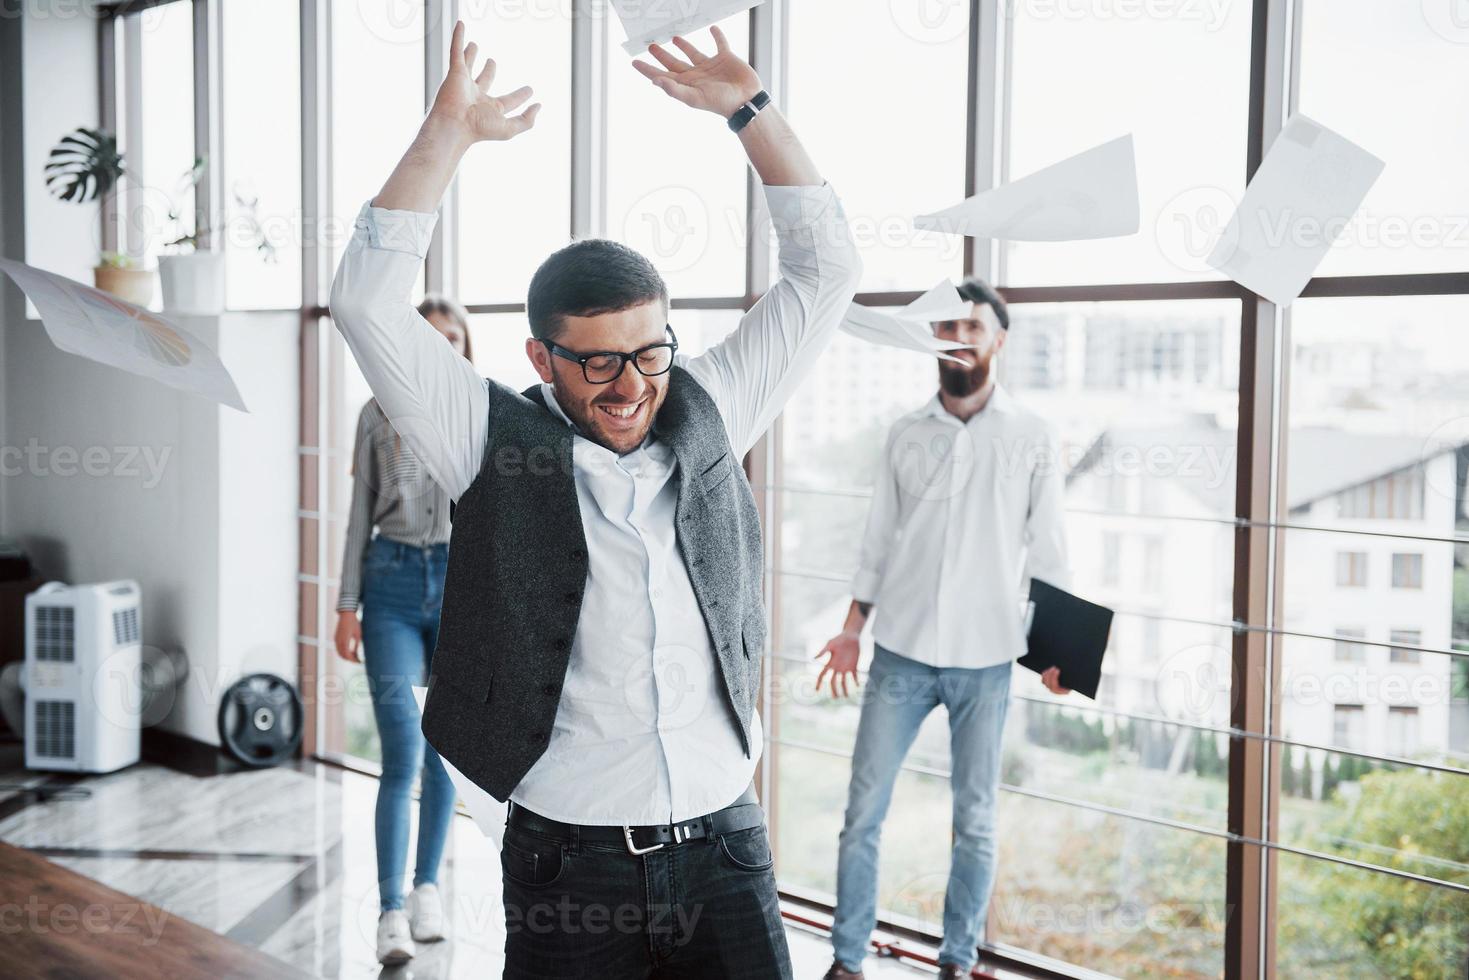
393	942
426	913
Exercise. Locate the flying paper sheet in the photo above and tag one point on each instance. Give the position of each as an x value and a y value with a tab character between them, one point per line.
1090	195
487	812
1307	189
655	21
908	328
100	327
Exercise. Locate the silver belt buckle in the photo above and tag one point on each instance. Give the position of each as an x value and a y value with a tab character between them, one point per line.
632	848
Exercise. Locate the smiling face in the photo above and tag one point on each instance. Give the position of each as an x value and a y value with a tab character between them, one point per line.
619	414
982	330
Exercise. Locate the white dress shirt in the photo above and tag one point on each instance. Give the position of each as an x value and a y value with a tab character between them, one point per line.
641	735
963	514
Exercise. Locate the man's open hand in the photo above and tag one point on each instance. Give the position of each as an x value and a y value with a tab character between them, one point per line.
720	83
465	104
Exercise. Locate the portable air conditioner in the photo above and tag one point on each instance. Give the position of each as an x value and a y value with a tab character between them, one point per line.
83	676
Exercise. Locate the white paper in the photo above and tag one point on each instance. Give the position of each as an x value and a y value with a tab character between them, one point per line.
655	21
909	328
100	327
1090	195
1307	189
487	812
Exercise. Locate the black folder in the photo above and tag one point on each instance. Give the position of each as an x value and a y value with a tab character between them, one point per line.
1068	632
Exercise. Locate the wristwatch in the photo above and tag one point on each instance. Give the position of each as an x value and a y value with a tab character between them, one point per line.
748	111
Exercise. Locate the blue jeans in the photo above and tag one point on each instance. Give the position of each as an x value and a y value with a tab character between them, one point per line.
402	590
898	695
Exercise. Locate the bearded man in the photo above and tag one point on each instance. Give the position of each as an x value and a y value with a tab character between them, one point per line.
967	507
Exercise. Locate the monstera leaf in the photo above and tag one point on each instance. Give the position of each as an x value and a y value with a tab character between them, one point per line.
83	165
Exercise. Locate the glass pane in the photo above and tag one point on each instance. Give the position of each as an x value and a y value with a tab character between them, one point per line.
1378	813
914	162
1338	921
675	177
262	150
1404	702
1129	899
377	103
167	99
515	199
1145	399
836	421
1416	217
1378	413
1083	75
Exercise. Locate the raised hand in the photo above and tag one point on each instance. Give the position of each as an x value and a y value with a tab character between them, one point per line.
464	99
718	83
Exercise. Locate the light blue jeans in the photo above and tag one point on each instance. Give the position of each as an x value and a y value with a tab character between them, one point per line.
898	695
402	590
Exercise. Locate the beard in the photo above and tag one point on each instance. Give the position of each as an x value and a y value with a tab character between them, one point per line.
963	380
597	426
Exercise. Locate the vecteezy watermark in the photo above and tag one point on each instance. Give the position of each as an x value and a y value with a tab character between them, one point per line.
35	916
1212	14
566	917
1449	436
671	226
145	463
1196	223
1197	684
930	21
1449	19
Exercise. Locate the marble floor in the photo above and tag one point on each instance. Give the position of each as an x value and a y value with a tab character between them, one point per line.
282	860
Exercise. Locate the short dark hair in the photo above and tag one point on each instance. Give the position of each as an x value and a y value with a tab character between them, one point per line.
976	290
587	278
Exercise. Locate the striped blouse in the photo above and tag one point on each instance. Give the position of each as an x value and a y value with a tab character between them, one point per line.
391	491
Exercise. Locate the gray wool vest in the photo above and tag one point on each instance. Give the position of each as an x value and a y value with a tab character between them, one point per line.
518	567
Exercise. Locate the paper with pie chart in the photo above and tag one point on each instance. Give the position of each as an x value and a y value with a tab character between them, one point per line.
910	328
656	21
487	812
100	327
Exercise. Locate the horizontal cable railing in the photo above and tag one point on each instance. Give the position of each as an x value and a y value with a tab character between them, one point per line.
1233	626
1153	819
1092	707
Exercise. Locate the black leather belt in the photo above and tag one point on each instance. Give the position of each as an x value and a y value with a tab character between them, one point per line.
742	814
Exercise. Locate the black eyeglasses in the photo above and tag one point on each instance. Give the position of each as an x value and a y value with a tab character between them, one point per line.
606	366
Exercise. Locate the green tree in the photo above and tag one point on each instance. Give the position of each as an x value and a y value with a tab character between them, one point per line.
1413	821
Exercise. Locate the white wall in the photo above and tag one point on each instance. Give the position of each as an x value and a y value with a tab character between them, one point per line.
195	501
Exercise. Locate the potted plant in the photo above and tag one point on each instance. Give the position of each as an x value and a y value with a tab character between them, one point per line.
82	166
192	277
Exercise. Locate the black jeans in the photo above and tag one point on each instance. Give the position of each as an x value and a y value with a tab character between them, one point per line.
703	909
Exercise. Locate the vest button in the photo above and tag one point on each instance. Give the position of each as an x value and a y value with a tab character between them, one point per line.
578	553
559	643
539	736
572	598
549	690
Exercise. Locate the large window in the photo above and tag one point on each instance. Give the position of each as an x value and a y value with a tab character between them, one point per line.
515	201
855	95
163	210
261	169
675	179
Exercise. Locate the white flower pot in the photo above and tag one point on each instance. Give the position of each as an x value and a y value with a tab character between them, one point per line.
192	283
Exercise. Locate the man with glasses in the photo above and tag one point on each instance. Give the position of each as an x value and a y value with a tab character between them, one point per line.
600	645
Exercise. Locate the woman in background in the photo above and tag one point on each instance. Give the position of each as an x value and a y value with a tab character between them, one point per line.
396	578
